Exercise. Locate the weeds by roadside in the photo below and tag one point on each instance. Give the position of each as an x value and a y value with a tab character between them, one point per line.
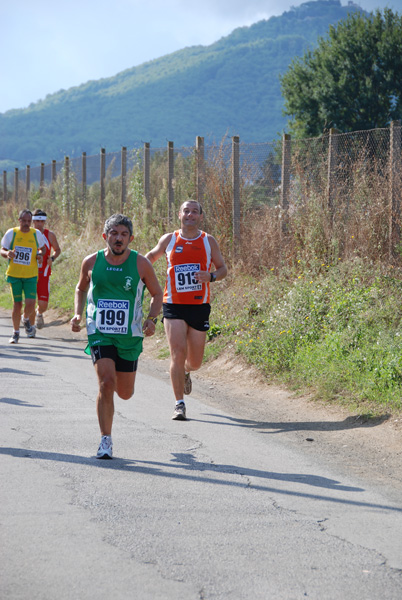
312	299
336	333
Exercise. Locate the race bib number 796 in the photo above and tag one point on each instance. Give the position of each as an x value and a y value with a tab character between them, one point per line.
22	255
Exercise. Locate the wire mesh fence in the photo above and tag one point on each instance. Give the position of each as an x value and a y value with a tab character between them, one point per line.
344	187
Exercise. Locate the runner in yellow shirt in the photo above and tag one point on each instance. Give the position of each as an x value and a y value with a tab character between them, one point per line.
23	247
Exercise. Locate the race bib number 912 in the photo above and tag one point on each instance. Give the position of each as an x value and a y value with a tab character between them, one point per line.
112	316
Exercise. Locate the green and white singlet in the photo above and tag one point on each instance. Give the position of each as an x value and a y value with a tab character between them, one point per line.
114	306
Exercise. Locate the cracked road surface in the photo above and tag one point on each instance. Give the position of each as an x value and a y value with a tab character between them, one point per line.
217	507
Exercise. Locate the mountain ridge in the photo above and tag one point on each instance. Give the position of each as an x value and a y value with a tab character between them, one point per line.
230	87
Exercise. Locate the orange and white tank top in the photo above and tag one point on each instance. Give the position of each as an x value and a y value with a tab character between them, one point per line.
184	258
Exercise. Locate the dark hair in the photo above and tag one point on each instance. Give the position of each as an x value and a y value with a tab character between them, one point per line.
118	219
23	212
192	202
38	212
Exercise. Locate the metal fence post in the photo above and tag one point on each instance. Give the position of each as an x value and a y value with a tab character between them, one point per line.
5	192
285	182
395	188
27	184
170	181
236	192
84	179
146	174
16	185
123	178
102	183
332	166
200	168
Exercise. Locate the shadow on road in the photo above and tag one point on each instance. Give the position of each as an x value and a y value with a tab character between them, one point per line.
20	372
17	402
37	352
353	422
186	462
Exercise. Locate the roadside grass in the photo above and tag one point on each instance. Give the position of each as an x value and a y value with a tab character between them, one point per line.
328	329
334	333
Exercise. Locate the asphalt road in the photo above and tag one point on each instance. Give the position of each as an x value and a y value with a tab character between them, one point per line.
205	509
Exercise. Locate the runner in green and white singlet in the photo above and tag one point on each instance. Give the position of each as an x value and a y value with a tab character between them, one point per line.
114	306
112	282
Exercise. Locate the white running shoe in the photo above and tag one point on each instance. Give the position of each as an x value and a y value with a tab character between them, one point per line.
30	329
39	321
188	386
180	412
14	338
105	449
31	332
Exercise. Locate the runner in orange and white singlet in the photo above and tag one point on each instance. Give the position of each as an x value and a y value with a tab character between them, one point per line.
182	286
190	254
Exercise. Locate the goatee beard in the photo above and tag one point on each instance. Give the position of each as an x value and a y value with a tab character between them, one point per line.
115	252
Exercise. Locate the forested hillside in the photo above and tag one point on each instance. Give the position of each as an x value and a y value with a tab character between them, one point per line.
230	87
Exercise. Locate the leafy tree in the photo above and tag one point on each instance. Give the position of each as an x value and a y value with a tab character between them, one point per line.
351	81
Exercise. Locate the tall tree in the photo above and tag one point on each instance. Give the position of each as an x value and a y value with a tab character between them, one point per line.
351	81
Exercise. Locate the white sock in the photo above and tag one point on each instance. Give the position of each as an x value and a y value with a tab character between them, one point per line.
179	402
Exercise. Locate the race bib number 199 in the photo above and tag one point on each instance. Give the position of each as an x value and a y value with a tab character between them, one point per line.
184	277
112	316
22	255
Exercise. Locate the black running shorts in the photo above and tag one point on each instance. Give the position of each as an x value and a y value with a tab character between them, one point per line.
122	365
195	315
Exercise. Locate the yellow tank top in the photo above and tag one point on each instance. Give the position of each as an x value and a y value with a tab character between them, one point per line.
25	245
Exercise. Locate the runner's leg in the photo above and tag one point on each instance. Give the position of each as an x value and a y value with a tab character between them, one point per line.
195	349
176	333
42	306
106	371
125	384
29	309
16	315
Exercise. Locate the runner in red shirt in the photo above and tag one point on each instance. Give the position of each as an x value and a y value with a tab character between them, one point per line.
39	219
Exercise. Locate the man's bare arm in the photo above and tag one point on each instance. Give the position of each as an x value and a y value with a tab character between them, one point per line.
218	262
6	253
220	267
159	249
55	245
148	276
81	291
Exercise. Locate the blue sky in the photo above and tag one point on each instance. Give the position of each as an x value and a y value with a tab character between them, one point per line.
47	45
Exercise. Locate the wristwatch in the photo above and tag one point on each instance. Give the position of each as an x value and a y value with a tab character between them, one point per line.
153	319
213	277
